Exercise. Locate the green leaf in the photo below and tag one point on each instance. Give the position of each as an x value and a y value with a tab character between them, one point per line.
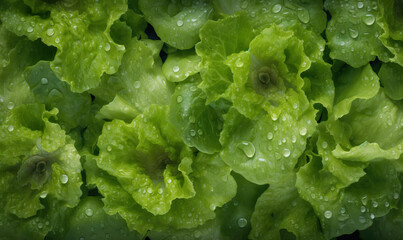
217	43
138	83
177	24
199	124
84	35
352	84
180	65
279	210
353	32
391	76
263	14
49	90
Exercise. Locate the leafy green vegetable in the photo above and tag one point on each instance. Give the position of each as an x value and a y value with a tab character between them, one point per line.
196	119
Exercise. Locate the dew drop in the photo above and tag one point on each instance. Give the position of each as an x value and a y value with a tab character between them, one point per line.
10	105
179	23
179	99
200	132
324	144
242	222
57	40
276	8
197	234
107	47
109	148
10	128
363	209
396	195
64	179
342	210
362	219
368	19
50	32
40	225
374	204
387	204
353	33
328	214
175	69
149	190
43	195
293	139
239	63
44	81
192	132
286	152
30	29
303	131
303	15
372	216
89	212
274	117
360	4
270	136
248	148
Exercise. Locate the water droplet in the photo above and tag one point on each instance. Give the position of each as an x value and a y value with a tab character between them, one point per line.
10	128
30	29
137	84
270	136
44	81
239	63
179	99
55	94
89	212
169	181
372	216
149	190
43	195
244	4
57	40
342	210
286	152
374	204
328	214
200	132
360	4
368	19
109	148
353	33
324	144
362	219
40	225
197	234
64	179
293	139
242	222
248	148
50	32
396	195
276	8
175	69
192	132
107	47
363	209
387	204
303	15
303	131
274	117
179	23
10	105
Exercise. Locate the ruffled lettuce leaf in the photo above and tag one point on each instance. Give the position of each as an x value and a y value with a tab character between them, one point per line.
262	14
17	54
280	213
353	32
217	43
177	23
199	124
138	83
153	180
49	90
78	29
180	65
391	76
40	167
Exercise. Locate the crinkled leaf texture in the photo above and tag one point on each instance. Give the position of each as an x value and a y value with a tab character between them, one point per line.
266	129
152	179
78	29
352	179
40	167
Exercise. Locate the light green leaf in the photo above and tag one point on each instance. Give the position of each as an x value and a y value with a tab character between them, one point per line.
180	65
217	43
353	32
175	23
199	124
79	30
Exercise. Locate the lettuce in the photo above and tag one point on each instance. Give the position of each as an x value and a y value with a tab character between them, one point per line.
181	119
